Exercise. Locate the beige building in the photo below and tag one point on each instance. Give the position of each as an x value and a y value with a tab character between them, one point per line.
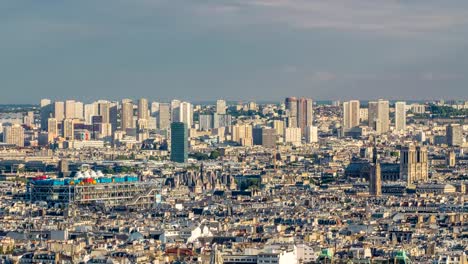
14	134
400	116
127	115
143	112
242	134
351	114
379	114
68	129
293	135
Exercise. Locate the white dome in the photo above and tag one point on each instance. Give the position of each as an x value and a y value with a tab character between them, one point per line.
93	174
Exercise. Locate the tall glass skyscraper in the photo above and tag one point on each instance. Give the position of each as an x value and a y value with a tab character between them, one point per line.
179	142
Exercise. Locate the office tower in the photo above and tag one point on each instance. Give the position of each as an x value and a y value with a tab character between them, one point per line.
68	129
291	111
242	134
104	110
375	177
278	125
13	134
52	128
379	116
164	116
450	159
79	110
154	108
311	134
400	116
28	119
175	111
114	115
126	117
186	113
90	110
179	142
364	115
45	112
70	109
269	137
292	135
351	114
45	102
372	113
59	111
221	107
143	108
206	122
305	113
454	134
257	136
413	164
221	120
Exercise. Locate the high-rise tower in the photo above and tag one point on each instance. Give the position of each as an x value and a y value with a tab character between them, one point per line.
179	142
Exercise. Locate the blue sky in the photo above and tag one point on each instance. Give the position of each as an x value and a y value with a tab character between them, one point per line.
234	49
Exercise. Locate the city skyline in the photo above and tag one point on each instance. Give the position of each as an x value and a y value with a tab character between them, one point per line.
234	49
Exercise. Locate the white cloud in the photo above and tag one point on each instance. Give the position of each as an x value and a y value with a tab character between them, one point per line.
378	16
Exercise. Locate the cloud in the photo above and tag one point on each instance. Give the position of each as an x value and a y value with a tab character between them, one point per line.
376	16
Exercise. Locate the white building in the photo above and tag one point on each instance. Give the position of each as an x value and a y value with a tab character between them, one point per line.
311	134
400	116
292	135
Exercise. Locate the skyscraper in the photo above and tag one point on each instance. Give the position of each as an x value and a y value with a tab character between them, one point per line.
90	110
379	116
454	134
311	134
70	109
413	164
126	117
13	134
186	113
59	111
292	135
242	134
278	125
104	110
179	142
269	137
68	129
291	111
206	122
154	108
351	114
45	102
221	107
52	128
305	113
45	112
164	116
143	108
175	111
79	110
400	116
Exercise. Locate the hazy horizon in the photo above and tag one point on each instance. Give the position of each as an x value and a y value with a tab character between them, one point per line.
259	50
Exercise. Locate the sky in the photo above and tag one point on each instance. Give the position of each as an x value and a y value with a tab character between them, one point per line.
263	50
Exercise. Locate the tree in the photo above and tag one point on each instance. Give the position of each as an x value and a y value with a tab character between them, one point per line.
215	154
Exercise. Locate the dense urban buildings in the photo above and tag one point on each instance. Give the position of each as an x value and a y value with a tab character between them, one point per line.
301	181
